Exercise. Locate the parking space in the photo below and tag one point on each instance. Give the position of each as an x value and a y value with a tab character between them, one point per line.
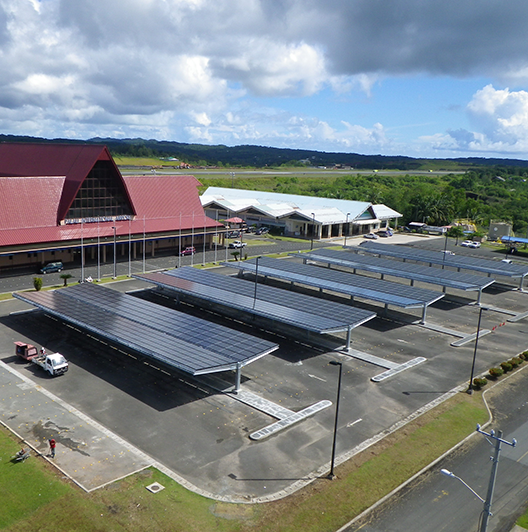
202	435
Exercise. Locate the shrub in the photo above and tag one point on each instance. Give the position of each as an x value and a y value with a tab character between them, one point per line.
515	362
506	366
37	283
479	382
522	356
495	373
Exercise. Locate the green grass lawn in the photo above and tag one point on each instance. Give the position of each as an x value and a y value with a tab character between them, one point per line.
36	497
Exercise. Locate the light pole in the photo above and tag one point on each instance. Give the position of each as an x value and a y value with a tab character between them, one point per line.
445	250
493	475
470	387
115	251
256	282
346	227
313	230
331	475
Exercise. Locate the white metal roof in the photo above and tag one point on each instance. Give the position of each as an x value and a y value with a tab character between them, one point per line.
326	210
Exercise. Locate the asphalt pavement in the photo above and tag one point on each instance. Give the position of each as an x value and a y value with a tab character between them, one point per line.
125	415
433	502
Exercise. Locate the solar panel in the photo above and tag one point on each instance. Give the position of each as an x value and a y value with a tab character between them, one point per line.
191	344
406	270
491	267
347	283
273	303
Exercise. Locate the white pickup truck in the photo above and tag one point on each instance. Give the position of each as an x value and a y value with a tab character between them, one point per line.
237	244
55	364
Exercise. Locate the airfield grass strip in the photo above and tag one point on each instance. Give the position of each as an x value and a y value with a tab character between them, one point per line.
34	497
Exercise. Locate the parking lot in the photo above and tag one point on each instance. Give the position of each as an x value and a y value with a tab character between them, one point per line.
202	435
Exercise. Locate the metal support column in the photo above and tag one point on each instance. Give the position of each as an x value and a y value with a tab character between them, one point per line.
349	337
424	312
238	375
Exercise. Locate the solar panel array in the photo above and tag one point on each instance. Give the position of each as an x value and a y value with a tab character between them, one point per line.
347	283
406	270
491	267
295	309
188	343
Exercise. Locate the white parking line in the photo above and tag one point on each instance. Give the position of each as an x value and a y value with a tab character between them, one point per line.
354	422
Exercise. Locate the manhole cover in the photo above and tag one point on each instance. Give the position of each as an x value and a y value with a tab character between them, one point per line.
154	488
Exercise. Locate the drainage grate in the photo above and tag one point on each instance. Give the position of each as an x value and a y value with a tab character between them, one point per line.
154	488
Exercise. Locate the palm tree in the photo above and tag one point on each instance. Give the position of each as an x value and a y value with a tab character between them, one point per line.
66	276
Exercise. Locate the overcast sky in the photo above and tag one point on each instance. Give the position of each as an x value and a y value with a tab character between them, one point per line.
422	78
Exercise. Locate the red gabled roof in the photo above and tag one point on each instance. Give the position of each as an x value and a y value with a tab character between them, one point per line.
28	207
72	161
167	202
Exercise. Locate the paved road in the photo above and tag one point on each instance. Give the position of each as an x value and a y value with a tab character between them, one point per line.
435	503
11	281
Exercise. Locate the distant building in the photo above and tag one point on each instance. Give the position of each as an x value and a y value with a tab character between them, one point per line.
499	229
64	201
302	216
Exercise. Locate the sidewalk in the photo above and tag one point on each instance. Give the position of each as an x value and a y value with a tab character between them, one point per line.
87	453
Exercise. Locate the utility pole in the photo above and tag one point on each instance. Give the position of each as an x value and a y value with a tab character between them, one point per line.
495	464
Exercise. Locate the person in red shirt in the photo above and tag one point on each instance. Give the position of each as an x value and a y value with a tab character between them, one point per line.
52	444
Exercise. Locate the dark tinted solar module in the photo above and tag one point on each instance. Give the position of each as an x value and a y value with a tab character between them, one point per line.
188	343
296	309
492	267
406	270
347	283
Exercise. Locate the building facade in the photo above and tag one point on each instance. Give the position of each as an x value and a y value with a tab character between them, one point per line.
69	202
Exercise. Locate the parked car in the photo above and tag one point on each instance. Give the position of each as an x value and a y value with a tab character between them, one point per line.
233	234
237	244
52	267
371	236
189	250
262	231
474	245
466	243
384	234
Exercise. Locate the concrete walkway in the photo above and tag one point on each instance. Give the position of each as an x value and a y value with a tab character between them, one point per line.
87	453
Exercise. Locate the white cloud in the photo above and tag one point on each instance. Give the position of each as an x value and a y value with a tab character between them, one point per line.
198	69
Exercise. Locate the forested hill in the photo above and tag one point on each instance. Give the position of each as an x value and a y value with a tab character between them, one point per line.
262	156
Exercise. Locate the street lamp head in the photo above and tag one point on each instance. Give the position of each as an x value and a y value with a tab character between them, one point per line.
447	473
335	363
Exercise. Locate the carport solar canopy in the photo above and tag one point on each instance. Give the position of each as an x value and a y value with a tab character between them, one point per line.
190	344
491	267
298	310
405	270
347	283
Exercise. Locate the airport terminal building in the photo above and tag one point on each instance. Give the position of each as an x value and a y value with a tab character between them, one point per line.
298	216
61	202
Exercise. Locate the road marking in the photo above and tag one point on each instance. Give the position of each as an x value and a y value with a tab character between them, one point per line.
316	377
354	422
519	459
404	341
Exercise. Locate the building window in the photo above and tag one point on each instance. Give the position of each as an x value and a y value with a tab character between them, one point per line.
102	194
